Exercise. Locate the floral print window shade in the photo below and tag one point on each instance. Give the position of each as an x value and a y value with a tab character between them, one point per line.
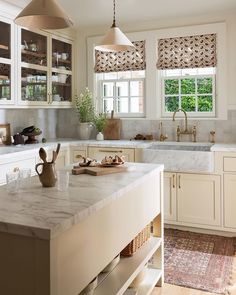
197	51
129	60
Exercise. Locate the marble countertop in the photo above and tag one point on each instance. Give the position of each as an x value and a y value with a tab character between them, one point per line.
11	151
46	212
224	147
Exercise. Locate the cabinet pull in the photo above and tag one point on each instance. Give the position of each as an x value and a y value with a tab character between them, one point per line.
110	151
179	182
173	180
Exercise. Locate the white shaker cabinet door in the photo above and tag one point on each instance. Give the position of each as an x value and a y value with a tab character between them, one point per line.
169	197
199	199
230	200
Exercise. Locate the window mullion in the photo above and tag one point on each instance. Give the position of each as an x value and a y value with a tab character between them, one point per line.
180	97
196	95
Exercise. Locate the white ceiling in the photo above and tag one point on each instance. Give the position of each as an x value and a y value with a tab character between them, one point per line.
87	13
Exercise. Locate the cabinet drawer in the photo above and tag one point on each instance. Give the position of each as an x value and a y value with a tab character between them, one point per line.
229	164
99	153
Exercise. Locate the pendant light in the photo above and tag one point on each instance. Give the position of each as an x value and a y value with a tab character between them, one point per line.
114	40
43	14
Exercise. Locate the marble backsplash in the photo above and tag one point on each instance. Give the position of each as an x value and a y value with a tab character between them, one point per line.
63	124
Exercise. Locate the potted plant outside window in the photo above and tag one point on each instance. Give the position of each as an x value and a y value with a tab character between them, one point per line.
100	122
85	109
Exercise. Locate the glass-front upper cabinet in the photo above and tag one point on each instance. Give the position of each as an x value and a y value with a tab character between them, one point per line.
61	76
34	72
6	62
46	69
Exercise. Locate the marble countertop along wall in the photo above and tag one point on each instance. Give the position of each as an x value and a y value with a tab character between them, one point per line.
9	151
47	212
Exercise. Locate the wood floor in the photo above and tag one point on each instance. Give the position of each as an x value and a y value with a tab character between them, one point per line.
176	290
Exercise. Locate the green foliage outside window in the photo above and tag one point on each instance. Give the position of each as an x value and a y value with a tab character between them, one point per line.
188	103
195	94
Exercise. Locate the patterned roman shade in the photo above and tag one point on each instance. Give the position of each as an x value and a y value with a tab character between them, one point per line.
129	60
187	52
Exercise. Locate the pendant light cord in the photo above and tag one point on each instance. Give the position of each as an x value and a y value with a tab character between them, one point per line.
114	14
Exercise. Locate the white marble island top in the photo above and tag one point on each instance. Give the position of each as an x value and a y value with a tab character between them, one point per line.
46	212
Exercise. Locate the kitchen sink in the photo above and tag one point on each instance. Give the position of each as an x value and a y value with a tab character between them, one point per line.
181	147
184	157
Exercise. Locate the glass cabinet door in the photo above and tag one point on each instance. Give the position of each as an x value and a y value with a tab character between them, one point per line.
6	63
33	85
5	40
61	87
33	48
5	82
61	55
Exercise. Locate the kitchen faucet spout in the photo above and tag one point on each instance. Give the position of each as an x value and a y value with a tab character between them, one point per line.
186	118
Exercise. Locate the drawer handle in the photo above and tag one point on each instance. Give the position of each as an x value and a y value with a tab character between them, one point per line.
173	180
110	151
179	182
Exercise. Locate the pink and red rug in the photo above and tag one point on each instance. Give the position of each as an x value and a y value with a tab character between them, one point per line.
199	261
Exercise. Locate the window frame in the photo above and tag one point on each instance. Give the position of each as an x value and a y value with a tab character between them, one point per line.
121	115
191	114
153	105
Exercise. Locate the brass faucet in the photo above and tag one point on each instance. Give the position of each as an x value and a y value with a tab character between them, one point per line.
162	137
185	131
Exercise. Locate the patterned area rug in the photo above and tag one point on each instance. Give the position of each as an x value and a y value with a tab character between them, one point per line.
199	261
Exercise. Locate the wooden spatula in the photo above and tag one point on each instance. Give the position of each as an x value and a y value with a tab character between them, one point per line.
43	155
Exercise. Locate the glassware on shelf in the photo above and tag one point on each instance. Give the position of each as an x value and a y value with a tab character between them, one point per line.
61	87
61	54
5	83
33	85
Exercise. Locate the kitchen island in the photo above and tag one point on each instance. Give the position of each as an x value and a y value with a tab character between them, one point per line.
55	243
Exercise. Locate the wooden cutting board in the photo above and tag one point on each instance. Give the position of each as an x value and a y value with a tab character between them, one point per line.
98	171
113	128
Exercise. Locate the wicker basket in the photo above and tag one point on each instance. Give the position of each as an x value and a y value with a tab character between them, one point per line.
137	242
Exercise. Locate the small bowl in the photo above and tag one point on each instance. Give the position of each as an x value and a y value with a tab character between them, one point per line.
112	264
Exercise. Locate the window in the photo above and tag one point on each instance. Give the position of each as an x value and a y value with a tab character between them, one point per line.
120	81
193	90
187	67
122	92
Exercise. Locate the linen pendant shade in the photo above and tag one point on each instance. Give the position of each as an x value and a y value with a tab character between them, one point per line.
43	14
114	40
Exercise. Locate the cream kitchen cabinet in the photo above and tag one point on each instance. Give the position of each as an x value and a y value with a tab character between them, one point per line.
192	199
99	153
199	199
229	200
225	163
170	197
